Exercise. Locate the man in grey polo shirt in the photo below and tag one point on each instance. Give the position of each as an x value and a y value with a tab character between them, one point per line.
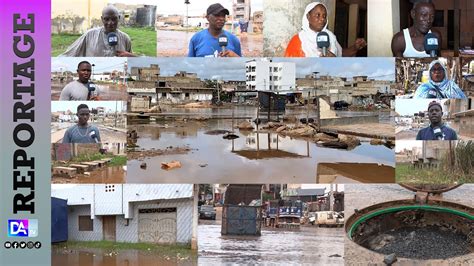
81	89
82	132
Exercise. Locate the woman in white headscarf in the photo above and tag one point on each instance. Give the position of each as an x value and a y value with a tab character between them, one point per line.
304	43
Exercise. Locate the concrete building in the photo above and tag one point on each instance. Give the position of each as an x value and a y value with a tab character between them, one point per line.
182	87
241	10
465	122
257	22
156	213
358	91
265	75
150	73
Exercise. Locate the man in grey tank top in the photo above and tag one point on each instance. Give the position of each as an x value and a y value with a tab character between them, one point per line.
82	132
410	42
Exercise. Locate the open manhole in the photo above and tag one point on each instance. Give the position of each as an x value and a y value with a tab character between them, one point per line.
435	229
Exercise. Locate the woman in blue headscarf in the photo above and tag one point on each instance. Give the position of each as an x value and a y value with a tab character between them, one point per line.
438	85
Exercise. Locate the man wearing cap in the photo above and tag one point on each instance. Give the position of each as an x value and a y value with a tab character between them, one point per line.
437	130
81	89
206	42
95	41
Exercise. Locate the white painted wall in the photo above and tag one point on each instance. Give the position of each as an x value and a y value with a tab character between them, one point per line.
383	22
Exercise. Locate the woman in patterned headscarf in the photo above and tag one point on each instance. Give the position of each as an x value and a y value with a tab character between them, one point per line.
438	85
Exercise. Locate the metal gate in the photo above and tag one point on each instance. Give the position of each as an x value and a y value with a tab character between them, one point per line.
241	220
157	225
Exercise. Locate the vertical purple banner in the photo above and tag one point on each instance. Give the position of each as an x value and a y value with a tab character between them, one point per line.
25	176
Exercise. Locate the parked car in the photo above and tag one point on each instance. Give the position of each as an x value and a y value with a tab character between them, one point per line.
341	105
327	219
207	212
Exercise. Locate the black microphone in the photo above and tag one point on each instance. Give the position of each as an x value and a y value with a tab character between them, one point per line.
112	39
433	94
91	90
438	133
93	136
223	41
431	44
322	39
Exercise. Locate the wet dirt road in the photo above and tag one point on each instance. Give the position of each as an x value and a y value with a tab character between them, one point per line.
175	43
309	245
358	196
61	256
254	158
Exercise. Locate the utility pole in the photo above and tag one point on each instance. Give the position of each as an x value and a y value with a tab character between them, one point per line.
125	68
186	2
92	76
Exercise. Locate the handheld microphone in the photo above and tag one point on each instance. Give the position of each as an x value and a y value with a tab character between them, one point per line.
322	39
431	44
112	40
432	94
92	92
438	133
223	41
93	136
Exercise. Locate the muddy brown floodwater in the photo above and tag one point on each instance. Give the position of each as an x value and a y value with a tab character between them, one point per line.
61	256
253	157
309	245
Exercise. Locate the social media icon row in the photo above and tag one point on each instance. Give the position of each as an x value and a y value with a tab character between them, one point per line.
22	245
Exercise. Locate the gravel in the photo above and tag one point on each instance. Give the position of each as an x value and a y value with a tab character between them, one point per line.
424	243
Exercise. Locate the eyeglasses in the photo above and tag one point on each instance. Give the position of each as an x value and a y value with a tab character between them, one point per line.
437	69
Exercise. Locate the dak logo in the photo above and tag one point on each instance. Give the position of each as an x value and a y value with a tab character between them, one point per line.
23	228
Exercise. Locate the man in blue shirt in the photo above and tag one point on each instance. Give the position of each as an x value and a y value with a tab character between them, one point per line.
206	42
437	129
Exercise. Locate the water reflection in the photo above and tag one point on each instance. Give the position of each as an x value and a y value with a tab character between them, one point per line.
309	245
253	157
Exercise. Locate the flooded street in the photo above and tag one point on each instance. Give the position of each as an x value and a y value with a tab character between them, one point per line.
61	256
309	245
176	43
108	92
253	157
250	158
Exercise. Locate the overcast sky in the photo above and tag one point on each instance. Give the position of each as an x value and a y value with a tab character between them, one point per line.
411	106
195	8
234	68
102	64
407	144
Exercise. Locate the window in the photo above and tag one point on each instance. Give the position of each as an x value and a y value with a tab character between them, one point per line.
86	223
163	95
